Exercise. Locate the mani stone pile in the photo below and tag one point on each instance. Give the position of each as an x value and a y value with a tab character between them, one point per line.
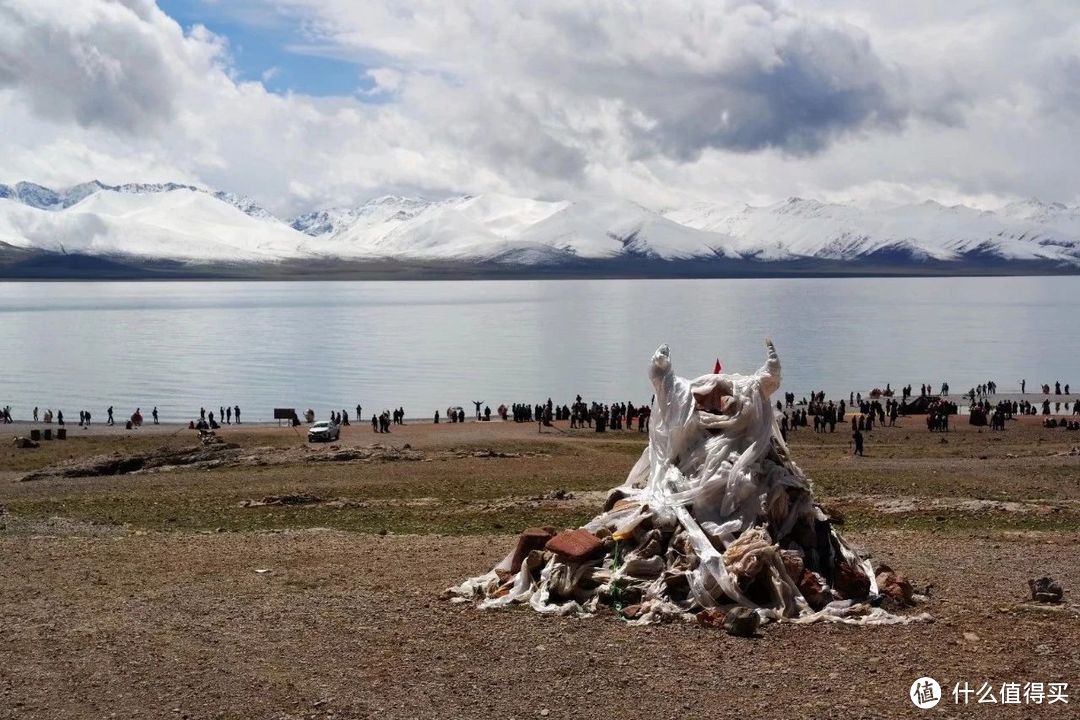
715	523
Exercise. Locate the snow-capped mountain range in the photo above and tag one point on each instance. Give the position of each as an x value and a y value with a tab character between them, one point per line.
199	227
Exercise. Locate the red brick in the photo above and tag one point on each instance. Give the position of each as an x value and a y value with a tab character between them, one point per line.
575	546
531	539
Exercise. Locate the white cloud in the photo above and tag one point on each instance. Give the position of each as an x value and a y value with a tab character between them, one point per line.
654	101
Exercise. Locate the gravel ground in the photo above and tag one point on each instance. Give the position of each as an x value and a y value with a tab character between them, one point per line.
181	625
118	598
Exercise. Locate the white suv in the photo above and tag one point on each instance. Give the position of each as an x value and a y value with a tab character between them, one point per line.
323	431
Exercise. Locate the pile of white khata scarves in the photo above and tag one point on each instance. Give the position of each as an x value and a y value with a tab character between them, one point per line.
714	515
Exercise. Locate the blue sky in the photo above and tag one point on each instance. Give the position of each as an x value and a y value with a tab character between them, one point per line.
271	47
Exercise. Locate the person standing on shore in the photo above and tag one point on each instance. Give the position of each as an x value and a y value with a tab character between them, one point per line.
857	440
228	416
359	413
202	414
236	413
154	415
1023	384
110	420
59	417
221	412
375	423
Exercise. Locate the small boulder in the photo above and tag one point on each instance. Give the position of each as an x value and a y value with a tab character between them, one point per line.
1046	589
812	587
896	587
851	583
741	622
711	618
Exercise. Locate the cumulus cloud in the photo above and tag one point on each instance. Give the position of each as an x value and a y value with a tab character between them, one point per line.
659	102
673	79
97	63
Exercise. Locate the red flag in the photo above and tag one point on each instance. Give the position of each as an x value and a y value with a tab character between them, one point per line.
716	370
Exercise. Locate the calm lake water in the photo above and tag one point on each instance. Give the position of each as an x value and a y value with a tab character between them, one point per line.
428	345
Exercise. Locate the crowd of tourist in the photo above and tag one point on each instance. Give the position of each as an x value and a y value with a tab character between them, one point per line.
879	408
581	414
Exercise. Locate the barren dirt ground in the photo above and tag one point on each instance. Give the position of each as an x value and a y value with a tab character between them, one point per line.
190	592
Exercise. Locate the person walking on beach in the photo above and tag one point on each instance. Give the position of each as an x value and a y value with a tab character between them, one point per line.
153	414
375	423
236	413
110	420
857	440
59	417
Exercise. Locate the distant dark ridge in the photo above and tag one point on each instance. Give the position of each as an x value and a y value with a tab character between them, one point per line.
898	262
56	266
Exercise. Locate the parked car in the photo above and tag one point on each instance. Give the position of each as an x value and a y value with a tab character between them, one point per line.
323	431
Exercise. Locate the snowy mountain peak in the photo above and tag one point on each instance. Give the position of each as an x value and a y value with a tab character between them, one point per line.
43	198
1035	209
320	223
245	205
398	201
798	206
36	195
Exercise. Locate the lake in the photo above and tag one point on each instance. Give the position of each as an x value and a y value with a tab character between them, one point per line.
428	345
